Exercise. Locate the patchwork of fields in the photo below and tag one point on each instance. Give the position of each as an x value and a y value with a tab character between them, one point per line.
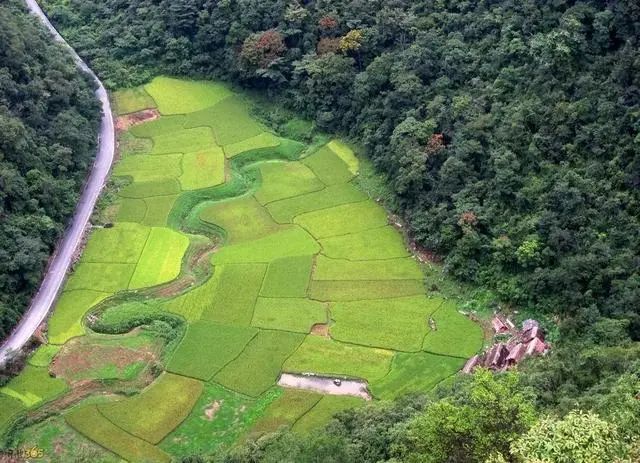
307	276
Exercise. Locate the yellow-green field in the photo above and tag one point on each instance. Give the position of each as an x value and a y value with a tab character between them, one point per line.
264	257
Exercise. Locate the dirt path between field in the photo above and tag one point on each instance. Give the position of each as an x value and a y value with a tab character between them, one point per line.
62	258
324	385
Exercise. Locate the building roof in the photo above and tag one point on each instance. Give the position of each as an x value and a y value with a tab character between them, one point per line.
498	325
500	356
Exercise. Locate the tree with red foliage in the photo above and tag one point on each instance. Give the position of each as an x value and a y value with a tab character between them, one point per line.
468	218
261	49
435	144
328	24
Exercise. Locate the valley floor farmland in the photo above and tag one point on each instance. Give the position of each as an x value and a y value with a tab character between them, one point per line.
234	255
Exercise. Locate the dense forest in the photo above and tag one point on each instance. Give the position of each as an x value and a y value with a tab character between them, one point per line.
509	132
48	126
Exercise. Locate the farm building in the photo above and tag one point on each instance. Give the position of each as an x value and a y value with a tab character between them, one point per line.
501	356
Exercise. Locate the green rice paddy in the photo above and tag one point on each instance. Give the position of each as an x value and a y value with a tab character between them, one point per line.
329	357
287	243
444	341
158	410
242	219
145	168
184	140
405	321
288	314
301	273
368	270
102	277
176	96
192	304
343	220
263	140
286	410
361	290
10	407
65	323
323	411
141	190
402	377
257	368
91	423
377	243
43	355
121	244
202	169
229	120
132	100
282	180
34	386
208	347
160	259
236	296
288	277
285	210
61	443
162	126
219	418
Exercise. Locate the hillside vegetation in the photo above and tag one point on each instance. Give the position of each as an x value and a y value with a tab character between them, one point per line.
508	133
507	130
48	125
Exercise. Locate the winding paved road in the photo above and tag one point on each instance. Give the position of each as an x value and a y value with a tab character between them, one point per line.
61	260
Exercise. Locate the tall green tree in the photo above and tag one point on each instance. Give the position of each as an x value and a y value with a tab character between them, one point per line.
477	421
48	126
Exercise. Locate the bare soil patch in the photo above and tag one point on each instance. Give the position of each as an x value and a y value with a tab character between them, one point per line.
213	408
324	385
201	258
320	329
129	120
176	287
78	359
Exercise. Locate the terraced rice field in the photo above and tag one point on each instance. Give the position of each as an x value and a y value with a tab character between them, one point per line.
264	256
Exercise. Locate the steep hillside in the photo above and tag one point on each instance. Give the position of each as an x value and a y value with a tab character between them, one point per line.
48	126
508	130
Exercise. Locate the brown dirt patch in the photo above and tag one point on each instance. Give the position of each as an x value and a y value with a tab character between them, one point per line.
58	446
320	329
176	286
201	257
201	160
80	390
212	409
129	120
78	359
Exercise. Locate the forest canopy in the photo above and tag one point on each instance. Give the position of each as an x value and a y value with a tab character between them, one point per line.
48	126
